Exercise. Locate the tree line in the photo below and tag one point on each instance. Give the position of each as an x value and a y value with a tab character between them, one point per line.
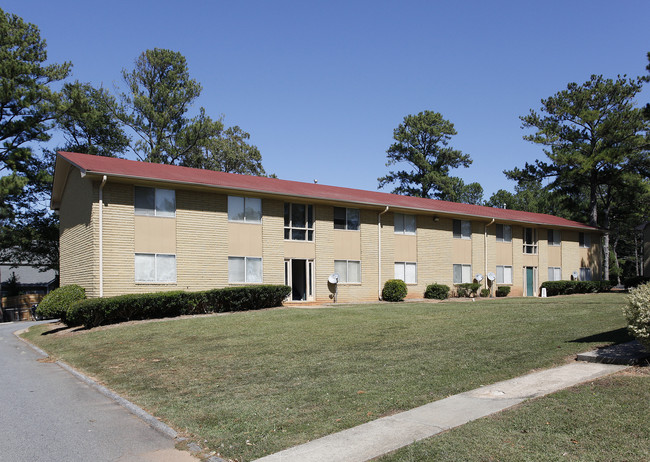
593	135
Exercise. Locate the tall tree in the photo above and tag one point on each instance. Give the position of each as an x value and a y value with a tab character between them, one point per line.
159	93
594	136
422	141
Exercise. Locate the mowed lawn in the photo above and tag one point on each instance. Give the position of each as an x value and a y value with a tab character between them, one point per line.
253	383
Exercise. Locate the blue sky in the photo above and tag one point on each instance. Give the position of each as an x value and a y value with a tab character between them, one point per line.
320	86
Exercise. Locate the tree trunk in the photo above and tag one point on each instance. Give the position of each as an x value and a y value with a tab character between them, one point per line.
606	244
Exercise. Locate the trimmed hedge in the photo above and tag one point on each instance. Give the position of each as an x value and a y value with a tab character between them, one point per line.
394	290
637	312
56	303
575	287
485	292
437	291
503	291
635	281
468	289
100	311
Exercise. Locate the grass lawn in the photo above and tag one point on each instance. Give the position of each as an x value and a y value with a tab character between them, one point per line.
605	420
253	383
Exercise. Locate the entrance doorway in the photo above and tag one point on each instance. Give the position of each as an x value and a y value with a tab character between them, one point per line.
299	275
529	278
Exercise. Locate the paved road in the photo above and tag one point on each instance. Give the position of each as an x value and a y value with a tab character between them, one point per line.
46	414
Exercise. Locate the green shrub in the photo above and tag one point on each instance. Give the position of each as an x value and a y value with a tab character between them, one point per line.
635	281
394	290
99	311
56	303
637	312
468	289
503	291
437	291
575	287
485	292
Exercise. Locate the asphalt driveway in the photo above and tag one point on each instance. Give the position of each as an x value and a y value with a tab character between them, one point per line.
47	414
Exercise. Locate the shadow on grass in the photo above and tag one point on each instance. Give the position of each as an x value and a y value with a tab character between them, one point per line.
613	336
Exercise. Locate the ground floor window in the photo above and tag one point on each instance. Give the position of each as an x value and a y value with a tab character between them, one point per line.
504	274
349	271
585	274
407	272
155	267
554	273
244	269
462	274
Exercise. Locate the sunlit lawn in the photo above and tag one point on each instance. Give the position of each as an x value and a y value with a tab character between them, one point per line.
257	382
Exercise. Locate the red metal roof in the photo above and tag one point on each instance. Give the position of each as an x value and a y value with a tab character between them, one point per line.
124	168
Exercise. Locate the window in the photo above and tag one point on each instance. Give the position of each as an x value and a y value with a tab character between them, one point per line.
155	202
349	271
298	222
585	274
554	237
530	240
504	274
462	274
244	209
407	272
345	218
554	273
585	241
462	229
404	224
154	267
244	269
504	233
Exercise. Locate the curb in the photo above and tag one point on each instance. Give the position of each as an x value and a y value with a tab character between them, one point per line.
128	405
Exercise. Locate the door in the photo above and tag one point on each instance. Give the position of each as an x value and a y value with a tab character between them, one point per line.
530	281
299	275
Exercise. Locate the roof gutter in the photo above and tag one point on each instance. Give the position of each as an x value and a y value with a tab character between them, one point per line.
379	251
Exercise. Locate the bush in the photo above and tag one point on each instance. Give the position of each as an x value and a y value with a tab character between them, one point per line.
99	311
56	303
468	289
437	291
635	281
503	291
637	312
575	287
485	292
394	290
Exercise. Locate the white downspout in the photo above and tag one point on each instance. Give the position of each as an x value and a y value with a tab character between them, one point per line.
379	251
101	236
486	252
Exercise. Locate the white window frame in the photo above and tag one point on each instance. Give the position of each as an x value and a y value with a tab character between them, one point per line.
231	200
344	278
552	273
586	240
245	278
505	237
155	212
465	229
155	279
532	246
554	238
290	228
463	271
348	211
399	223
402	266
501	278
585	274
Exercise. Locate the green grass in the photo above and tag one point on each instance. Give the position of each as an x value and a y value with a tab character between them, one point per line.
257	382
605	420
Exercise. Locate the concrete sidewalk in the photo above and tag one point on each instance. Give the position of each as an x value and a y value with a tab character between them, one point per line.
387	434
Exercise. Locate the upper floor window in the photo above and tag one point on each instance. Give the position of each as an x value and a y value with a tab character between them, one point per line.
155	202
584	240
298	222
345	218
504	233
404	224
244	209
530	240
554	237
462	229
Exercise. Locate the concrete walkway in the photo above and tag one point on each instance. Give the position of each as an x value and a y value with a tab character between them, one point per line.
387	434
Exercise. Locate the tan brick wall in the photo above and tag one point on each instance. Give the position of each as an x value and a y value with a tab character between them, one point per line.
478	249
517	261
272	240
542	252
324	262
570	253
77	241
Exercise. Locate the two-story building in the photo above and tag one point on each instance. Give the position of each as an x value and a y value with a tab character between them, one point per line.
130	227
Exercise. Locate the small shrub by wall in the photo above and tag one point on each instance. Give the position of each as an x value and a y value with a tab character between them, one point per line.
467	289
575	287
437	291
485	292
637	312
56	303
503	291
394	290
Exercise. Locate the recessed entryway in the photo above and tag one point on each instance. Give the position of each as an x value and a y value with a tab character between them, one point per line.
299	275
